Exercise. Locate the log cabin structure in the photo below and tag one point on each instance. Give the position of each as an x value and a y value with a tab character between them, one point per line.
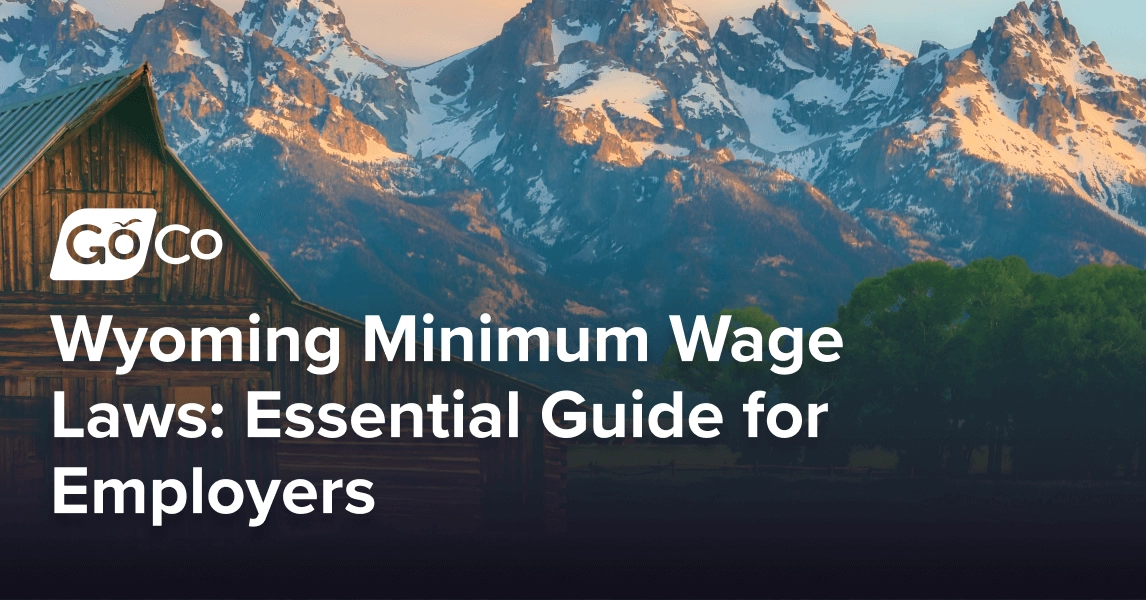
101	145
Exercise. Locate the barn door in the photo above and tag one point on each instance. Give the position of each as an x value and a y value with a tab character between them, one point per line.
24	438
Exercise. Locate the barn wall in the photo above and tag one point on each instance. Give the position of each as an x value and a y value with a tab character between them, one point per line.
114	163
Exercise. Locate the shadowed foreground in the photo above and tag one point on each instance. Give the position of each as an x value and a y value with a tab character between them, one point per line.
758	536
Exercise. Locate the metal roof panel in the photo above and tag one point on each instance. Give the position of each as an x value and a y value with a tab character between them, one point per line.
29	128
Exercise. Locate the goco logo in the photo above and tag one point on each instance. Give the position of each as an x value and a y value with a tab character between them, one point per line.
111	244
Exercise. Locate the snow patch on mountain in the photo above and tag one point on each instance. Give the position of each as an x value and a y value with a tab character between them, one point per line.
820	90
190	47
10	73
376	152
446	124
769	120
629	94
15	10
573	32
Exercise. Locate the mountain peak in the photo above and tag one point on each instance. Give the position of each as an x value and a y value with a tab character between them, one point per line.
1036	49
929	46
1044	22
200	8
1047	7
305	25
670	42
46	45
584	60
815	12
315	33
72	15
809	31
798	71
175	4
186	30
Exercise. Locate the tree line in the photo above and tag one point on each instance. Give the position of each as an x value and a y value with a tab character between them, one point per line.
941	361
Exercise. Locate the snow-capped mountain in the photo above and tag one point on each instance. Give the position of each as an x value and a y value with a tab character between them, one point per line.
618	159
567	86
601	131
219	84
800	74
315	33
628	75
1023	142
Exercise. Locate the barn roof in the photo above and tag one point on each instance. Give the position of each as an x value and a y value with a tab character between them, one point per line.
30	130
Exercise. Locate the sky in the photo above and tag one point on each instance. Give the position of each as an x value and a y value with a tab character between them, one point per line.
418	32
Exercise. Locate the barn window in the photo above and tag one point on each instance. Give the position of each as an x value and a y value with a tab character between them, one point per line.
18	387
197	395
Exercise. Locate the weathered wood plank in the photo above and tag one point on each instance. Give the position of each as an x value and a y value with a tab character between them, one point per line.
7	249
24	250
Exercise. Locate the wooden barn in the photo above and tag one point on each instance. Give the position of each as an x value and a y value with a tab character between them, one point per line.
101	145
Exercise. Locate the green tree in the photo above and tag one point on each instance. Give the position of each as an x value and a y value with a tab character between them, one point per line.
1085	347
984	357
896	330
940	361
